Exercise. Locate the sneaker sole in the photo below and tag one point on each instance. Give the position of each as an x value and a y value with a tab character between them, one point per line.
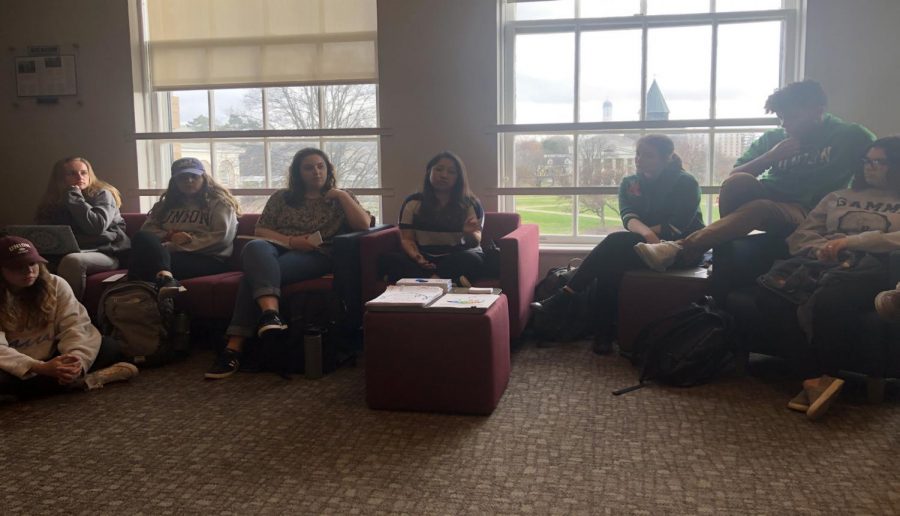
218	376
646	257
819	407
271	329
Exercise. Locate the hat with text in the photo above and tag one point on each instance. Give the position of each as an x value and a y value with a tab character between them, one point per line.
188	166
18	252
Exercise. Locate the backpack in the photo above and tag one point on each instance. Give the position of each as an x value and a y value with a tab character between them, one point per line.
689	347
131	313
575	324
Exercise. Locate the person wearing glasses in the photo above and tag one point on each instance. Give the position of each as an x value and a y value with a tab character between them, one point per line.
783	174
188	233
838	264
76	197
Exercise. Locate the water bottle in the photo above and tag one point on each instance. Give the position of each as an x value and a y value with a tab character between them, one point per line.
312	352
182	337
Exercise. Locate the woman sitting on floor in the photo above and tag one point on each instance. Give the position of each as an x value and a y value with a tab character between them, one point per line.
440	228
302	221
76	197
838	266
189	232
660	202
47	341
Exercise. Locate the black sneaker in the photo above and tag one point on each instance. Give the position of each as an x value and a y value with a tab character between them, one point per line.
167	286
558	303
226	364
270	324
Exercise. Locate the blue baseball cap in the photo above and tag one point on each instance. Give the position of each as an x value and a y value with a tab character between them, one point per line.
188	166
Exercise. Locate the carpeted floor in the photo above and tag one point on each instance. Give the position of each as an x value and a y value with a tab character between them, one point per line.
559	443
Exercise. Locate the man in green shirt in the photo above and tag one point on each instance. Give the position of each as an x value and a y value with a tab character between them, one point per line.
780	178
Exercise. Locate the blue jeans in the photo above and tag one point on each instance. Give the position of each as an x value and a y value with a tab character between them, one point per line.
266	267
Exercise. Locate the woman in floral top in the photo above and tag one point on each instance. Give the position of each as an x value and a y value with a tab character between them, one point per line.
660	201
289	249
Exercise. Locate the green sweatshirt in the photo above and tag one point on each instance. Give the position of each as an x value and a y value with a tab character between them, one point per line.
827	161
672	200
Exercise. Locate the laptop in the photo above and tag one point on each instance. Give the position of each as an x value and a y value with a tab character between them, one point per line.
49	240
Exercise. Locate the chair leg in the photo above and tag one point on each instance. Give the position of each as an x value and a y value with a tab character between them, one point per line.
875	389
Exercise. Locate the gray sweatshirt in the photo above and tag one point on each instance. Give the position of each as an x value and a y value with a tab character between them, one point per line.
69	331
96	221
869	219
212	228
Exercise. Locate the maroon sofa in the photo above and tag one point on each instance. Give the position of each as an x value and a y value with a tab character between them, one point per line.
518	244
212	297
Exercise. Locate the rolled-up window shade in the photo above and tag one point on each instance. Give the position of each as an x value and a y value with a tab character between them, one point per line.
240	43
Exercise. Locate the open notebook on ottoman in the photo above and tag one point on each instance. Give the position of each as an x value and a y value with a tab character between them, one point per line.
431	298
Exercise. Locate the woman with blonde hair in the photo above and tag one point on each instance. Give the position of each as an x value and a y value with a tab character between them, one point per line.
77	198
47	341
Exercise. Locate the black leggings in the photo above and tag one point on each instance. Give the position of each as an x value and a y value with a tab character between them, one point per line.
468	263
149	256
109	353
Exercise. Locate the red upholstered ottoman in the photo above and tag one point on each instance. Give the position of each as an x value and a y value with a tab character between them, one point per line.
437	362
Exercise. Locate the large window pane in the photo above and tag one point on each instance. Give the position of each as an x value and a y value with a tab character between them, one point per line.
355	162
728	148
252	203
545	77
677	7
605	8
188	110
605	159
723	6
542	160
167	152
552	213
598	214
372	204
237	109
292	108
681	82
350	106
747	74
240	165
610	76
545	10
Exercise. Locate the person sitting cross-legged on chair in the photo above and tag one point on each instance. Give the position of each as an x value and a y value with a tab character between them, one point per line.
779	179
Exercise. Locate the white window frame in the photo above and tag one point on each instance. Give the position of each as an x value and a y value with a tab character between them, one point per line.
792	14
150	114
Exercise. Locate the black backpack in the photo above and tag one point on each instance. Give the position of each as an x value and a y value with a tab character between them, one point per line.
145	325
689	347
577	323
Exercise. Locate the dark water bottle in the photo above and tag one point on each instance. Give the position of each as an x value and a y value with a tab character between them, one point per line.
182	337
312	352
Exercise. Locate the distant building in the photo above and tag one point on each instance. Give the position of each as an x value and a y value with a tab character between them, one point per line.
657	109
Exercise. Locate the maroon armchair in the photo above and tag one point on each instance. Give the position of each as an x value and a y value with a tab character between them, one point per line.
518	244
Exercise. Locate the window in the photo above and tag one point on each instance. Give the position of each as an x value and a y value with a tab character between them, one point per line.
244	86
582	80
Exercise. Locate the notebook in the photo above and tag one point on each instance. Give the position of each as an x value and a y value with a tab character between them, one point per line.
49	240
405	296
475	303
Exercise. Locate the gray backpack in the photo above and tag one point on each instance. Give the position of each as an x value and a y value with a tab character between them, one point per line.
131	313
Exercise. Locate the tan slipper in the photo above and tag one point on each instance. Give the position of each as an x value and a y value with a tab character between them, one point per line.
821	395
800	402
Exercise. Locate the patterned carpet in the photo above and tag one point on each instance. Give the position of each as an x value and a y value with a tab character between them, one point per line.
559	443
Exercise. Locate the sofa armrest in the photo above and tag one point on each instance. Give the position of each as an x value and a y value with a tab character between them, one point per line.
519	260
348	270
372	246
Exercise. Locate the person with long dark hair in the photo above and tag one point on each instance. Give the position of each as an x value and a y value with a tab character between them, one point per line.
189	232
297	227
76	197
440	227
660	202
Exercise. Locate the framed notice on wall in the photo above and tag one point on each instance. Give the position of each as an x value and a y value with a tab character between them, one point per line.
46	76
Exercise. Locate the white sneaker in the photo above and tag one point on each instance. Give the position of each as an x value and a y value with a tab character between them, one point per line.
887	304
117	372
658	257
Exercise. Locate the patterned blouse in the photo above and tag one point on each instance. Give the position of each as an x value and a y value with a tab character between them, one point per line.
324	216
